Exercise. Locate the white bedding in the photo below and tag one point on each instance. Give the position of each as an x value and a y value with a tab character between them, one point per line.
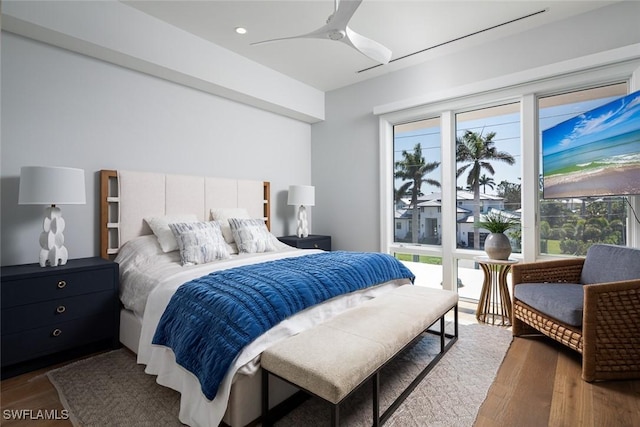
144	265
149	277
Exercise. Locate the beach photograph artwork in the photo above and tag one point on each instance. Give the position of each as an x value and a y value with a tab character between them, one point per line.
596	153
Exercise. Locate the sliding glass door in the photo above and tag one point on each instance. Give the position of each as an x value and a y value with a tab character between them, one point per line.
417	209
488	172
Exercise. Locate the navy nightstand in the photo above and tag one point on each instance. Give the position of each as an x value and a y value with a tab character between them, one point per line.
50	314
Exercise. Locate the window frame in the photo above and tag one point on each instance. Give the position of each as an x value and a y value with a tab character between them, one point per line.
526	92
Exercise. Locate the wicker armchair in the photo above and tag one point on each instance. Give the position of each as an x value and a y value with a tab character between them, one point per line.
605	325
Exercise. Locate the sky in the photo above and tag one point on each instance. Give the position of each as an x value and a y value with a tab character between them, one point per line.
507	129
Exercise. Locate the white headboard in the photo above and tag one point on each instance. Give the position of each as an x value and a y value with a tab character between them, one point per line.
128	197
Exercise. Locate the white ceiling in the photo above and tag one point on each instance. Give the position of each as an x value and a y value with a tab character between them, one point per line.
403	26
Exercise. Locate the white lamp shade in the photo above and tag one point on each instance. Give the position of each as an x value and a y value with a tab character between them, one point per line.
302	195
48	185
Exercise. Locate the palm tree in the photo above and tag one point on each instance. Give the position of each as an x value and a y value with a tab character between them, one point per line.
486	181
397	196
414	169
475	153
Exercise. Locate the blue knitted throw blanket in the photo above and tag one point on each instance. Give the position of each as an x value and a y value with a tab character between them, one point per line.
209	320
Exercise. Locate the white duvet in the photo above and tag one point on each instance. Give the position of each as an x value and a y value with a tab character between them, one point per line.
149	277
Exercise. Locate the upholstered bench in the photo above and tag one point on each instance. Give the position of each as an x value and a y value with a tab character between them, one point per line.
334	358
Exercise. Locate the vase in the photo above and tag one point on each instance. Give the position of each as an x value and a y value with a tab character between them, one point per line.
497	246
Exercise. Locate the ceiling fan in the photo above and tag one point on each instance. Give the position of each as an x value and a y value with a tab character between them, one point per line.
337	29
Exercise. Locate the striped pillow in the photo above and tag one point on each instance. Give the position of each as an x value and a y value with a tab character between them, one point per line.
251	235
200	242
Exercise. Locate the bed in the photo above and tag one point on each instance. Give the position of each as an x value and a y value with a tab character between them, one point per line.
136	208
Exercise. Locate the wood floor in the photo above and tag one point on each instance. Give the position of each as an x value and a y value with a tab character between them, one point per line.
31	391
538	384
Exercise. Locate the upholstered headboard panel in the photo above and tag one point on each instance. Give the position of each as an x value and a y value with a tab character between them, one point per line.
128	197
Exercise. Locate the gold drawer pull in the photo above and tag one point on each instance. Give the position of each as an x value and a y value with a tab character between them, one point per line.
61	309
56	332
62	284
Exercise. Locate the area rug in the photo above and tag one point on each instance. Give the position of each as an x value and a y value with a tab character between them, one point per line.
111	389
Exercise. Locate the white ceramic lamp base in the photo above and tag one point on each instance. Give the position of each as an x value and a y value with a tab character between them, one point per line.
53	252
303	224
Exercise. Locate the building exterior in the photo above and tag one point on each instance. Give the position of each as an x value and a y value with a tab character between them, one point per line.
430	218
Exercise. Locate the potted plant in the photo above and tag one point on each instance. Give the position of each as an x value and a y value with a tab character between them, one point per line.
497	245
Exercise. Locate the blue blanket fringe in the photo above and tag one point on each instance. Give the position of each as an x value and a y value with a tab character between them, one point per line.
209	320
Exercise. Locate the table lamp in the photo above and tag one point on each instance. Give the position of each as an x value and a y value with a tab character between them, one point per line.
47	185
301	196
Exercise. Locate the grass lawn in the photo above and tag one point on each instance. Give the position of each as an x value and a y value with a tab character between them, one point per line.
423	258
553	247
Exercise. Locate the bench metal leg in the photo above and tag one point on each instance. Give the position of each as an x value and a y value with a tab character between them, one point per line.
442	332
265	398
376	399
444	348
335	415
455	323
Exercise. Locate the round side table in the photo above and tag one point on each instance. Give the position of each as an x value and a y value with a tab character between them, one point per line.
495	302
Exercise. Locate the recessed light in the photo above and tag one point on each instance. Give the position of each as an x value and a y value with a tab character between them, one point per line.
241	30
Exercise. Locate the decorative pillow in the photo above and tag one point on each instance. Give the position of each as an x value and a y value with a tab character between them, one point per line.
222	215
251	235
199	242
160	227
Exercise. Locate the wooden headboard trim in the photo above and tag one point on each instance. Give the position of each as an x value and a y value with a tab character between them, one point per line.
109	212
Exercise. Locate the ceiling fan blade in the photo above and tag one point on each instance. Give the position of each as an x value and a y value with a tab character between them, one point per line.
337	29
334	29
320	33
368	47
276	40
343	14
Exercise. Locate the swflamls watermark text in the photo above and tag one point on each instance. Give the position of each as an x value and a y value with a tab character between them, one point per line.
35	414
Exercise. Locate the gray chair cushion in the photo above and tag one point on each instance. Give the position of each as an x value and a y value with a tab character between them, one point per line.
561	301
610	263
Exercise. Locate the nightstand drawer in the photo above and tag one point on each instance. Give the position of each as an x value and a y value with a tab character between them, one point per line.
22	318
56	337
324	244
56	285
313	241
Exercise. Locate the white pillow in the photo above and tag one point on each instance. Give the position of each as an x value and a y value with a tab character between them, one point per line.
145	246
160	227
199	242
251	235
222	215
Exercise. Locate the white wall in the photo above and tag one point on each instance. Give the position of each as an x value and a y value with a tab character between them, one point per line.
118	33
344	149
65	109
